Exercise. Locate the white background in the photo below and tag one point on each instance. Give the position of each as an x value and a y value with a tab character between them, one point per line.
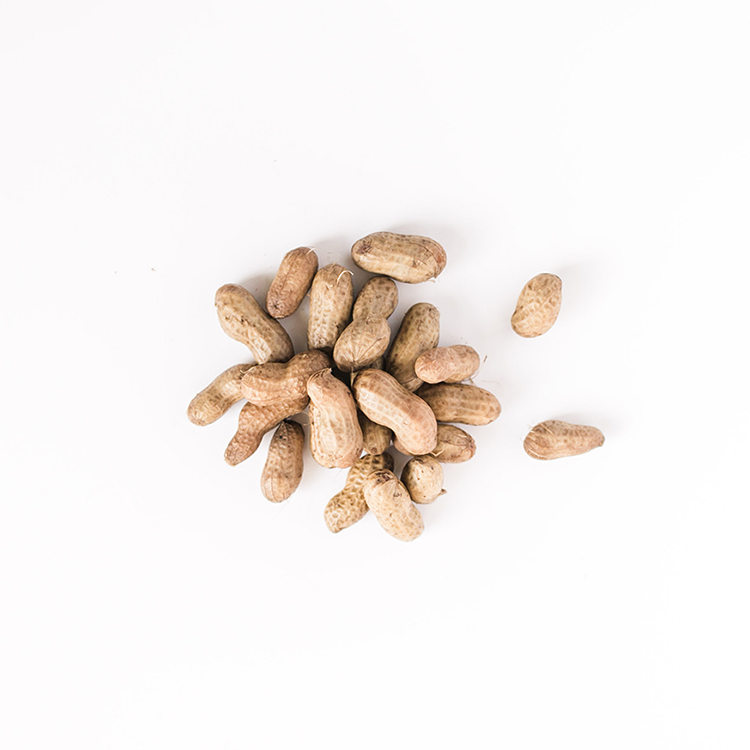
152	151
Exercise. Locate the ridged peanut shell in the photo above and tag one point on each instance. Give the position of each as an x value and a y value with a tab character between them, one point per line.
375	437
419	331
556	439
292	282
264	384
282	472
331	297
391	504
454	445
460	402
447	364
423	478
538	306
404	257
378	296
361	343
217	397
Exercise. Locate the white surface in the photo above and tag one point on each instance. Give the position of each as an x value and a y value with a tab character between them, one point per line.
152	151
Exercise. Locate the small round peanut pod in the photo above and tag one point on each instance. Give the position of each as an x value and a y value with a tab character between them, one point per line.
460	402
454	445
392	506
538	305
378	296
264	384
331	297
292	282
423	478
361	343
419	332
447	364
404	257
282	472
557	439
217	397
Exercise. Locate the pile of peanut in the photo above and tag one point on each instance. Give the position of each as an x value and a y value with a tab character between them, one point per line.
362	391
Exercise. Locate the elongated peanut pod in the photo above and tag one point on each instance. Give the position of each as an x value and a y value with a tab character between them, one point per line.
292	282
423	478
467	404
264	384
538	306
282	472
556	439
331	297
404	257
447	364
419	331
217	397
375	437
389	501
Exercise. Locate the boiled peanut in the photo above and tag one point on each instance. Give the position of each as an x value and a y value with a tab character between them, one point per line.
419	331
282	472
264	384
454	445
217	397
556	439
404	257
348	506
244	320
460	402
447	364
292	282
375	437
390	503
423	478
331	296
538	306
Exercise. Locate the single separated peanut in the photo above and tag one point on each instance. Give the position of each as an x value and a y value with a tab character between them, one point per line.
349	506
460	402
282	472
404	257
454	445
423	478
447	364
385	401
419	331
292	282
265	384
217	397
244	320
556	439
255	421
391	504
538	306
335	434
331	297
367	337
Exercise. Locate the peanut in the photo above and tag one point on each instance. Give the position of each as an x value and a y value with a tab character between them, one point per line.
419	331
244	320
292	282
459	402
389	501
375	437
454	445
556	439
265	384
335	434
385	401
349	506
217	397
282	472
423	478
538	306
331	297
447	364
404	257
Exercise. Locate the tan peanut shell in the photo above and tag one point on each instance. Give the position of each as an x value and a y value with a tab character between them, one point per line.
460	402
375	437
454	445
331	297
538	306
282	472
335	434
348	506
264	384
556	439
378	296
385	401
404	257
423	478
419	331
292	282
254	422
447	364
244	320
391	504
217	397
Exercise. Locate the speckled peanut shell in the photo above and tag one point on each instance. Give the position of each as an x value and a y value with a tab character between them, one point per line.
361	343
556	439
335	434
419	331
375	437
423	478
292	282
349	506
389	501
538	306
264	384
244	320
331	297
378	296
447	364
404	257
254	422
459	402
217	397
385	401
454	445
282	472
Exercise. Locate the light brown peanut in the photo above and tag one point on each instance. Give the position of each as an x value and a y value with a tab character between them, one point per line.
331	297
385	401
404	257
254	422
265	384
244	320
423	478
390	503
375	437
282	472
447	364
538	306
419	331
556	439
454	445
335	434
292	282
460	402
217	397
349	506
